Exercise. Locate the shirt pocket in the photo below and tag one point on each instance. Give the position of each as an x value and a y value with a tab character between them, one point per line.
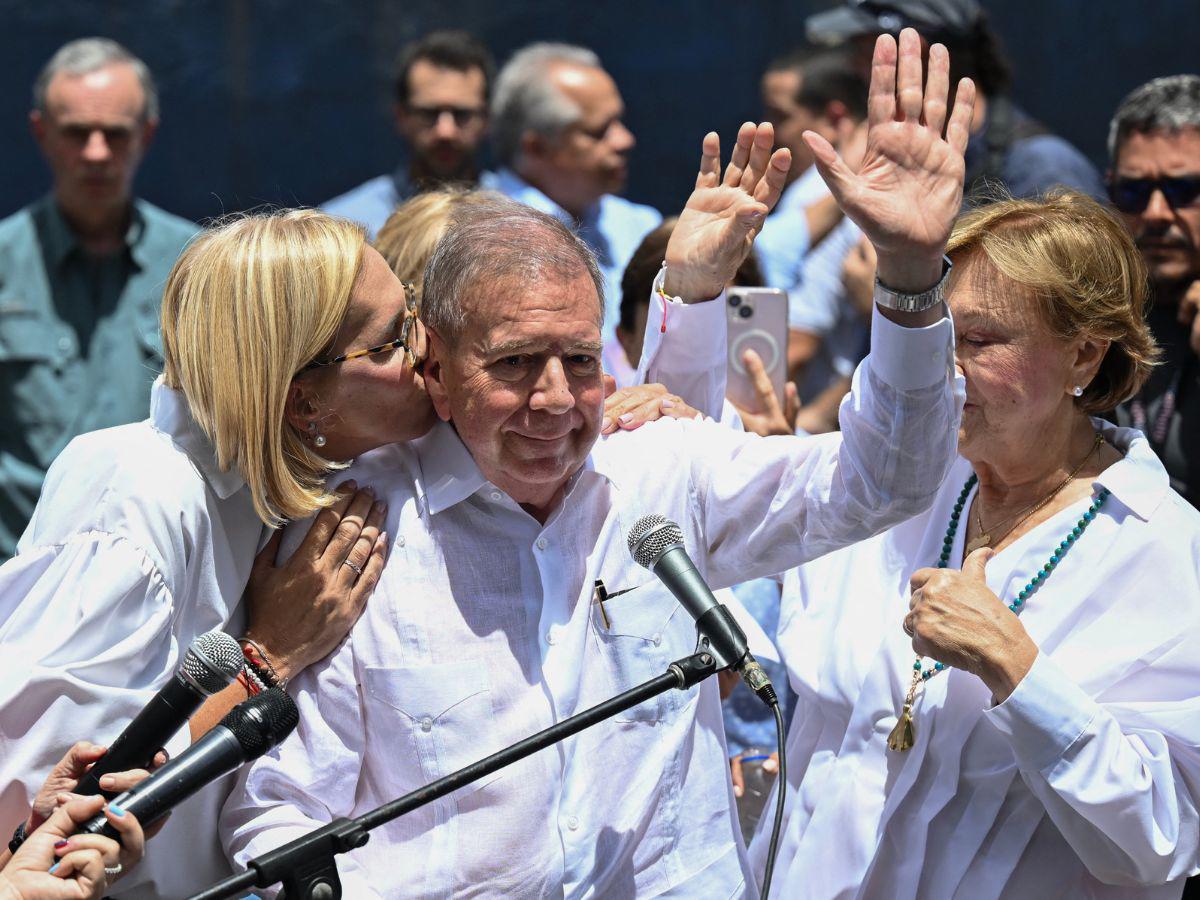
34	353
640	633
431	721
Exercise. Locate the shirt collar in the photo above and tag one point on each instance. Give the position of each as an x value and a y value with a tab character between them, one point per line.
450	475
170	414
512	185
1139	480
59	239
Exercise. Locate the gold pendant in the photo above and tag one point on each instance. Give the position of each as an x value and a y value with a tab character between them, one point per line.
982	541
902	736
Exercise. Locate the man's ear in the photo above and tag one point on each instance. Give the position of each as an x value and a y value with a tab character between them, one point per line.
434	373
535	146
149	131
37	126
301	408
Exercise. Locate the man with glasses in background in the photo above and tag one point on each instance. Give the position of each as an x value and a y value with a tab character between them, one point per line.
563	148
81	272
1154	182
442	87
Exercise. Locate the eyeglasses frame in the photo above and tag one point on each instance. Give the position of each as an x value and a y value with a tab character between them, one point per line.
412	311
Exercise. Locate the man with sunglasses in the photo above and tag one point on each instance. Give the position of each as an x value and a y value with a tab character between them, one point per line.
1154	182
442	85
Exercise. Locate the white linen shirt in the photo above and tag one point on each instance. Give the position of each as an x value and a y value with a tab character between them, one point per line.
482	631
1084	783
119	571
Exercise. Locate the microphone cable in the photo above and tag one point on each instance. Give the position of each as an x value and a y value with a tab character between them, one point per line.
780	788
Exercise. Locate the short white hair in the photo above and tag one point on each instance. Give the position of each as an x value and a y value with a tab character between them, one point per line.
526	100
89	55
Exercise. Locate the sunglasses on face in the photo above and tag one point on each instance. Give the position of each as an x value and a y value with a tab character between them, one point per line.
1132	195
408	331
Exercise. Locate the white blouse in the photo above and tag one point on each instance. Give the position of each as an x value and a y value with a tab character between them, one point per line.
1083	783
139	543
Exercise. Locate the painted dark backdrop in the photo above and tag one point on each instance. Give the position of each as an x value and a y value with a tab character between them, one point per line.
286	101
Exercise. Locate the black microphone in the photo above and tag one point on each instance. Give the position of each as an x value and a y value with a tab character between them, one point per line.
248	731
212	661
657	544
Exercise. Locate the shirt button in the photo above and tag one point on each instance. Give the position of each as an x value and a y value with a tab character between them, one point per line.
657	640
541	543
573	823
427	724
552	636
64	344
496	495
400	541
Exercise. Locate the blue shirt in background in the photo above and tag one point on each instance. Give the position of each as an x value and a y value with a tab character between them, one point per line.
372	202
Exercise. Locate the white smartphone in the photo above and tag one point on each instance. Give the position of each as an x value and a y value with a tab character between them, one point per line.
758	321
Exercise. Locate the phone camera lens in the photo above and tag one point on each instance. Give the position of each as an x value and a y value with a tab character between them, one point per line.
735	301
746	312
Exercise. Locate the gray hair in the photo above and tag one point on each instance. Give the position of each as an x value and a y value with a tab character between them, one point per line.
498	241
1164	104
88	55
526	100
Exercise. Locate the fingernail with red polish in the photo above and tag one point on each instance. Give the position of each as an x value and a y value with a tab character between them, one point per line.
58	845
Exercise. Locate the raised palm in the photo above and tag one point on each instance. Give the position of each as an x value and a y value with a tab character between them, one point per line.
908	190
723	215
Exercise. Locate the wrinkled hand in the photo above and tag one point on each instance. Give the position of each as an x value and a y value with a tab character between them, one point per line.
1187	314
723	215
300	611
632	407
858	278
78	873
771	416
64	777
908	189
955	619
770	764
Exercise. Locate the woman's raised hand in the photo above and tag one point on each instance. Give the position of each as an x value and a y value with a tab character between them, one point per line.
908	189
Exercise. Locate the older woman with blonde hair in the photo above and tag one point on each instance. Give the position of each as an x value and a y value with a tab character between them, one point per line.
1001	697
290	348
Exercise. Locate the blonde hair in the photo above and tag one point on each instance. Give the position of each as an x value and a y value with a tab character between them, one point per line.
408	237
248	304
1086	273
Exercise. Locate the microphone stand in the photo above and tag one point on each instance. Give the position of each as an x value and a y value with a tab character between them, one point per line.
306	865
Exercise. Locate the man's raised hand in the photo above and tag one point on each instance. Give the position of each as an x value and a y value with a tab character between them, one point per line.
724	214
908	189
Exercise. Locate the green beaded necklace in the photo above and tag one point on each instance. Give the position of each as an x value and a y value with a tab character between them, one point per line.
902	735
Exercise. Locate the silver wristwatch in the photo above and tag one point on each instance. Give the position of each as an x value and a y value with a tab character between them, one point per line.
890	299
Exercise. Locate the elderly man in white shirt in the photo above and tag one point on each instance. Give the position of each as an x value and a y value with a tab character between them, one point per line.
483	629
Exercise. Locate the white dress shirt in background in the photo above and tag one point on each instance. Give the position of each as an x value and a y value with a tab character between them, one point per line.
139	544
483	631
1084	783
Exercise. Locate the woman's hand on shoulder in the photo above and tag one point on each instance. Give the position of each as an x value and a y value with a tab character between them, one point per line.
632	407
300	610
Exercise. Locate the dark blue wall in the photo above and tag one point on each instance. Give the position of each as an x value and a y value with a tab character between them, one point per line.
286	102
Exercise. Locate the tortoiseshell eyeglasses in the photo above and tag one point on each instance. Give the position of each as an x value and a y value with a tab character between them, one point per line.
408	332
